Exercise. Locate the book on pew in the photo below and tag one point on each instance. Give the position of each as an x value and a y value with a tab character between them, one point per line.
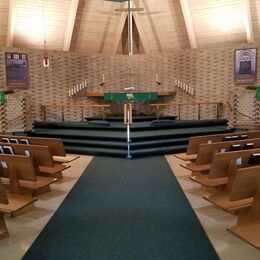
4	165
8	150
14	141
24	141
248	146
227	138
242	137
5	140
235	147
254	159
27	153
239	161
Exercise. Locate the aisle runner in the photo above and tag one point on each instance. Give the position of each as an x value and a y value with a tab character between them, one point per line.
124	209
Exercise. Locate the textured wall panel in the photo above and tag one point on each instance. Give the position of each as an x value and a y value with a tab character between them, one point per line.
209	71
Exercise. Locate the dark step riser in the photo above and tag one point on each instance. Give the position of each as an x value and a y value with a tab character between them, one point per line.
133	154
134	146
122	139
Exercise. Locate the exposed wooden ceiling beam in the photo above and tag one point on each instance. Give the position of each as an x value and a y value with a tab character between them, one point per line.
248	22
189	24
141	31
119	31
11	24
71	21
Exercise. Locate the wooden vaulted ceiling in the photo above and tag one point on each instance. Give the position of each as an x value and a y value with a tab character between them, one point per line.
93	27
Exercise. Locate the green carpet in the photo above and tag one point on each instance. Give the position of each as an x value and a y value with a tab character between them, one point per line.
124	209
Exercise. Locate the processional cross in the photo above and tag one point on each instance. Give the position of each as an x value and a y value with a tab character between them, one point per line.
130	11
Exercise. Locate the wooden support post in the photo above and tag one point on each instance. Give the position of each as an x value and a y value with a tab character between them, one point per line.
44	113
198	111
62	114
82	116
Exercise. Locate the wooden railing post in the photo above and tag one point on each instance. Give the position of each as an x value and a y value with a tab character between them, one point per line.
82	115
62	114
198	111
44	113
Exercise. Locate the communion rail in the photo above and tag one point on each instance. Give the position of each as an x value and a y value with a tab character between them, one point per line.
180	105
80	107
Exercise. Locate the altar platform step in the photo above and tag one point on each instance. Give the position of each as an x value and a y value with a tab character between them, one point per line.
123	145
84	138
101	151
112	126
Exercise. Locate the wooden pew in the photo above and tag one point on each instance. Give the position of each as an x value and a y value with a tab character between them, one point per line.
227	167
22	175
43	157
218	173
55	144
246	184
206	152
17	169
194	142
3	200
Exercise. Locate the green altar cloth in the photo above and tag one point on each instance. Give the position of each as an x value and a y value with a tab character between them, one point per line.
137	96
258	93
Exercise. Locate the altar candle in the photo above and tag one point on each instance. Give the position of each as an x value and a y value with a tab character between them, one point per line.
69	93
80	87
75	90
156	77
103	78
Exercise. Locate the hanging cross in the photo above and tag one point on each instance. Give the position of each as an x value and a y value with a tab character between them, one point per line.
130	11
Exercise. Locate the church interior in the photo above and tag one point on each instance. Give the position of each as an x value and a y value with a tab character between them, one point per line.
129	129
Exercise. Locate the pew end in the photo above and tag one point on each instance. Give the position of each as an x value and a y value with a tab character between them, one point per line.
247	184
186	157
55	171
18	205
3	200
65	159
3	228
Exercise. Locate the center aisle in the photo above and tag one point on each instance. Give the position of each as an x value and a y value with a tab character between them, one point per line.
124	209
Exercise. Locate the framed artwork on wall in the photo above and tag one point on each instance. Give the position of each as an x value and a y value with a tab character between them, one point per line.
16	67
245	66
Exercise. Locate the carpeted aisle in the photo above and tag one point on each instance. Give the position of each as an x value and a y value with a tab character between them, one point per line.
124	209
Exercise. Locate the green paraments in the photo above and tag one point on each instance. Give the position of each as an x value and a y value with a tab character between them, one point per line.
257	93
137	96
2	97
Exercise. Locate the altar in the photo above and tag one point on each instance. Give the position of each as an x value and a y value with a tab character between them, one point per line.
135	96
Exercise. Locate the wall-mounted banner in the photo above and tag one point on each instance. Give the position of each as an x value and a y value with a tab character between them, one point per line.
17	73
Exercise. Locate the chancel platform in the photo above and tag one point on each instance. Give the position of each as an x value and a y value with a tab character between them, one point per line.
149	136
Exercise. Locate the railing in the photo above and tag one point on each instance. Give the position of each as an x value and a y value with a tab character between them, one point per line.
252	121
62	107
179	105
